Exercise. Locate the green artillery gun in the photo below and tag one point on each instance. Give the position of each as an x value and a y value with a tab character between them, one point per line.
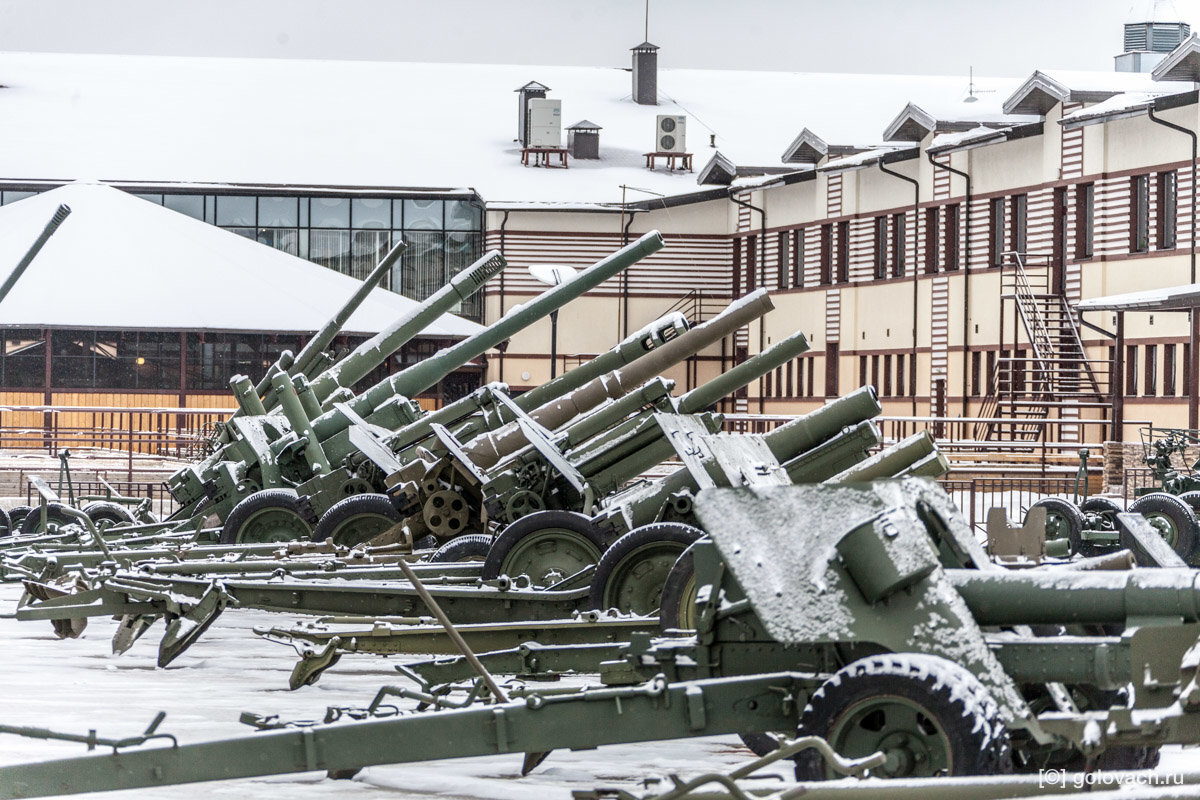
878	625
262	451
1088	525
566	453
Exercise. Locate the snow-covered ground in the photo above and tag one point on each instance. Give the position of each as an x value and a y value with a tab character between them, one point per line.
74	685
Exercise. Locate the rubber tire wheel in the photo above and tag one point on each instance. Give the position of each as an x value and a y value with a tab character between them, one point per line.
1187	529
16	515
1192	499
972	731
1102	504
55	513
251	505
366	506
104	511
1070	516
6	526
513	537
468	547
677	606
632	552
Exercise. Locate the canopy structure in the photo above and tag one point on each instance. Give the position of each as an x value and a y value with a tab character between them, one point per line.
1171	298
119	262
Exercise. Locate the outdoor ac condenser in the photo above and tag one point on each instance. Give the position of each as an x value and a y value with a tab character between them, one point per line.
545	122
670	134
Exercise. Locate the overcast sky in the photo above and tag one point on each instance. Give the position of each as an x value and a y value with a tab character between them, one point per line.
997	37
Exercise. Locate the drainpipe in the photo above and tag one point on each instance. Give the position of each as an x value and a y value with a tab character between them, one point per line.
916	272
966	280
760	264
1194	314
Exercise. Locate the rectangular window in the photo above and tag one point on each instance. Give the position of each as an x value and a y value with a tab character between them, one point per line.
766	391
782	243
912	375
1019	223
1131	370
931	240
990	372
809	371
1058	252
887	376
1139	209
826	254
1168	199
1187	367
976	372
862	370
996	233
898	245
875	372
951	236
831	369
751	244
1085	197
843	251
779	381
1169	370
790	384
798	262
881	247
1150	386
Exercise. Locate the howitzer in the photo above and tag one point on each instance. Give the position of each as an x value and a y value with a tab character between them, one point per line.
266	453
60	215
846	625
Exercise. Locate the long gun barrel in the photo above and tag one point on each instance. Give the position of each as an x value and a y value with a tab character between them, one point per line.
749	370
373	352
419	377
304	361
488	449
60	214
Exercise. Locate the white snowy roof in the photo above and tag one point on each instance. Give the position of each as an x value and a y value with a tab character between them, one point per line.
1171	298
1045	88
1115	107
119	261
863	159
405	125
961	140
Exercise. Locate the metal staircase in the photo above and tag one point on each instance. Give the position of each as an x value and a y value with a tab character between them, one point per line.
1046	374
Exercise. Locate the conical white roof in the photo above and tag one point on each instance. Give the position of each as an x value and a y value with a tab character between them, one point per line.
122	262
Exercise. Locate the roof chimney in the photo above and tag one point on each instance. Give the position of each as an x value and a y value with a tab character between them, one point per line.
645	74
1154	29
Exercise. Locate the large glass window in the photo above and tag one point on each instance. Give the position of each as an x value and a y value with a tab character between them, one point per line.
23	359
423	215
278	212
371	213
329	212
461	215
236	211
190	204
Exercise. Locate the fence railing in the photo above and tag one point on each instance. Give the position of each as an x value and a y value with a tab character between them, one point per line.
975	496
136	433
162	503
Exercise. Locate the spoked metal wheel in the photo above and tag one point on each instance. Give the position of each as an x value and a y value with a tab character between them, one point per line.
548	546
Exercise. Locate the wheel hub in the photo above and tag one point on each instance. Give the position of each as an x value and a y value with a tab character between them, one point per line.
1164	527
445	513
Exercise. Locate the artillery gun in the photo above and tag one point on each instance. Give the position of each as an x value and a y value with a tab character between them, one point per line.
878	625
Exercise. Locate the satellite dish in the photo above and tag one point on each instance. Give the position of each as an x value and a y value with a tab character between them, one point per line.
552	274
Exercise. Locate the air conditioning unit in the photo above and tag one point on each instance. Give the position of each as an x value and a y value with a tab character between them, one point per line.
670	134
545	122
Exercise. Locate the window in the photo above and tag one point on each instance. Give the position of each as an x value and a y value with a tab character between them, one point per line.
827	254
1169	370
951	235
1019	223
996	233
1168	190
843	251
990	372
790	385
1059	245
887	375
1150	386
976	372
782	245
831	369
1139	208
798	261
881	247
22	359
931	240
898	245
751	243
1131	371
900	375
1085	196
875	372
862	370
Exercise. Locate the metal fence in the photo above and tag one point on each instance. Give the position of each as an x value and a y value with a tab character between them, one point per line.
162	503
975	496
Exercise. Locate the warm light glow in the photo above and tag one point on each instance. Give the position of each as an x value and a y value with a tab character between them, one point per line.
141	360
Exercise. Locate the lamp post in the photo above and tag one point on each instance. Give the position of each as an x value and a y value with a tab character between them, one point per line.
552	275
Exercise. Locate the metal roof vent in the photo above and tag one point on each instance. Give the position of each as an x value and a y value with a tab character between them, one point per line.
529	91
583	139
1154	31
645	74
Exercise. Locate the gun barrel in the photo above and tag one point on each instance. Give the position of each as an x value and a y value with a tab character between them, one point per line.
488	449
60	214
1012	597
373	352
896	461
420	377
806	432
749	370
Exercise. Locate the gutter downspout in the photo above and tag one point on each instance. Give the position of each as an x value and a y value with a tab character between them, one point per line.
966	280
916	272
760	270
1194	315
